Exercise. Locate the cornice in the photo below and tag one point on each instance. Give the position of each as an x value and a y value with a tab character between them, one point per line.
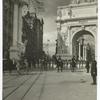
77	19
20	2
78	5
79	25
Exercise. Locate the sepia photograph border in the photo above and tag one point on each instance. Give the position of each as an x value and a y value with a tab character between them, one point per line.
1	51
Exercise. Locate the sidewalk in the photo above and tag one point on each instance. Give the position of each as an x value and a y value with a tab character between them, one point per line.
53	85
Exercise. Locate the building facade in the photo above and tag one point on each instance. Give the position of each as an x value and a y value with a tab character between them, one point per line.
8	6
12	28
33	36
77	30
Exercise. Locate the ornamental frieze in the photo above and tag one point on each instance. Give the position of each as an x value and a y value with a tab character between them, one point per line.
74	29
92	28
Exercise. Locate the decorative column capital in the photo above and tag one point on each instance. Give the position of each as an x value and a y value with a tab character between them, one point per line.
20	2
15	1
79	43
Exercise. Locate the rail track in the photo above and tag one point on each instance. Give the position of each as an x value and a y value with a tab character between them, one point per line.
4	98
41	89
33	83
5	82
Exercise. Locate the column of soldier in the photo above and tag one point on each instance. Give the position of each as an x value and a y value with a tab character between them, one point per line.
45	64
73	64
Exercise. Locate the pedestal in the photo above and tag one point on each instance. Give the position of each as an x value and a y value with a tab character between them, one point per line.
14	53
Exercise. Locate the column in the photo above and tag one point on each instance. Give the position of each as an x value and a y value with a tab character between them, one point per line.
79	51
96	48
20	24
85	53
15	24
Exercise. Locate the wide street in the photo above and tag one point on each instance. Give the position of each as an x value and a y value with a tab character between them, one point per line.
49	85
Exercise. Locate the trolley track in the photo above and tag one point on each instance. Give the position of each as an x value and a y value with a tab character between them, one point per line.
14	78
16	88
40	85
4	98
42	88
34	82
5	82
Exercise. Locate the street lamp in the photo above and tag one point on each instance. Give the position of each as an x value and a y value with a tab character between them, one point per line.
48	41
56	46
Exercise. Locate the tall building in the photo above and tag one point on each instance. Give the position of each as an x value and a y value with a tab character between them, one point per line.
12	28
8	7
22	31
33	35
77	30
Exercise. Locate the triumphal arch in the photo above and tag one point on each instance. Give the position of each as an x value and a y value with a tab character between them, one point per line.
77	30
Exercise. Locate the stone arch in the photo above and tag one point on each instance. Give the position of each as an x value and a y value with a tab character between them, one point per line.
77	35
88	30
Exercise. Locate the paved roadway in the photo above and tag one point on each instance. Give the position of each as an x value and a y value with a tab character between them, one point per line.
49	85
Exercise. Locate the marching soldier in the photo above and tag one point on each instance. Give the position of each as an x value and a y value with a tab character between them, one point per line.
73	64
26	66
87	66
94	71
59	64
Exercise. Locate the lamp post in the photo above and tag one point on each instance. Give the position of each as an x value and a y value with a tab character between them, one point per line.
56	46
48	41
48	56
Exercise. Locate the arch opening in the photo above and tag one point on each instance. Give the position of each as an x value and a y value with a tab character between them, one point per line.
83	45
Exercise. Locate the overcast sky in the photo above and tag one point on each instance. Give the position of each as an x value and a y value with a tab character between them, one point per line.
49	15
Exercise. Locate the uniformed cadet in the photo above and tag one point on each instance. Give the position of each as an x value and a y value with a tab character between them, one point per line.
59	64
73	64
94	71
87	66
